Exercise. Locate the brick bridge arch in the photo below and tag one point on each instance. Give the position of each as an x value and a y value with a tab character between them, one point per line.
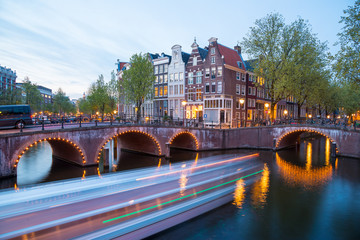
291	136
62	148
184	140
135	140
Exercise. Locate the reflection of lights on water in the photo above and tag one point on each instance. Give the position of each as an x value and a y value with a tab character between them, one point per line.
98	172
159	164
83	176
327	151
308	155
183	181
16	187
239	193
307	177
261	188
336	163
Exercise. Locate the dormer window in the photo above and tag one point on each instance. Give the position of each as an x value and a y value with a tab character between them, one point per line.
239	64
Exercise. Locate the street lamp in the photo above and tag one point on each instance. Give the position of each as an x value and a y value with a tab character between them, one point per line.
285	113
242	101
183	103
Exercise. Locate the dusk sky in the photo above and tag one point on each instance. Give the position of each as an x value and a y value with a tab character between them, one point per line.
68	43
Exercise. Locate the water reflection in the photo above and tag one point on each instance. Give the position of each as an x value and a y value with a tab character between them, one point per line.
239	194
261	188
35	165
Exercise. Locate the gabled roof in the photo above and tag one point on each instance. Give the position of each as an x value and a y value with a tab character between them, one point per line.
185	57
122	66
231	57
203	53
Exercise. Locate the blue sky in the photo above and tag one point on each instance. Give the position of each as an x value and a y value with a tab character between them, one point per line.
68	43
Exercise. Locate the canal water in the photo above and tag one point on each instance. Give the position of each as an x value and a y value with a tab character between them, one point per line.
302	193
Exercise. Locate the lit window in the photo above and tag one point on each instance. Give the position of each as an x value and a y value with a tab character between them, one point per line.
165	90
198	94
161	92
219	71
156	91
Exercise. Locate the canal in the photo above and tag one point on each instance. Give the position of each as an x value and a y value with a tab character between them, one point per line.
302	193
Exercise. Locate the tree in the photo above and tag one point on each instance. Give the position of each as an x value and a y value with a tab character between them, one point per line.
10	96
84	106
62	103
287	58
347	65
98	96
32	95
137	82
350	98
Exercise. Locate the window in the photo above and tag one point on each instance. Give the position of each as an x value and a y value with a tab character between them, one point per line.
249	115
156	70
243	77
165	78
237	76
176	77
219	88
219	71
194	61
165	68
198	77
191	94
238	89
243	90
213	60
161	79
156	79
165	90
213	87
176	90
160	91
171	76
161	68
249	102
207	88
190	78
213	72
207	72
212	51
198	94
181	76
156	91
171	90
181	90
254	91
249	92
237	103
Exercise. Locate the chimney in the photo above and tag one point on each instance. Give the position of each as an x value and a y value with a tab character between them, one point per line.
238	49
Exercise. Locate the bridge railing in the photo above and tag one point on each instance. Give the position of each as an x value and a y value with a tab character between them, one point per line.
151	120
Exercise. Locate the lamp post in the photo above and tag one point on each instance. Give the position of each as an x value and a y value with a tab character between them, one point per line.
285	114
183	103
242	101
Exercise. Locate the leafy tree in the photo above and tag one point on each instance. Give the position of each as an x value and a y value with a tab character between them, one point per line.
84	106
113	92
289	58
348	58
32	95
62	103
137	82
10	96
98	96
350	98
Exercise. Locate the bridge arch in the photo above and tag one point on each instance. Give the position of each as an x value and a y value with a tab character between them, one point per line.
290	137
61	147
134	140
184	140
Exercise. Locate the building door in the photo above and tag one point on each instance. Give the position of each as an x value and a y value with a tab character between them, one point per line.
222	116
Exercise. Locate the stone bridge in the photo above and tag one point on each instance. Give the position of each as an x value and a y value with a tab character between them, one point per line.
83	146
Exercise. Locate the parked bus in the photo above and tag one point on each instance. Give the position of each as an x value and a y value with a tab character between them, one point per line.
15	116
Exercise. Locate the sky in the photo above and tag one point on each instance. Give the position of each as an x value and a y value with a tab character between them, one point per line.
67	44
